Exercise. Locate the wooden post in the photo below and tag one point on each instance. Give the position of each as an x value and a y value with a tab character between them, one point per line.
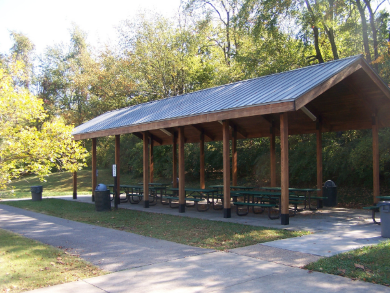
118	165
202	165
319	157
146	168
284	169
94	177
151	159
375	157
174	160
234	156
273	156
182	195
74	185
226	169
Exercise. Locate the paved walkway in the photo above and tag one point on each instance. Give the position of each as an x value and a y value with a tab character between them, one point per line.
144	264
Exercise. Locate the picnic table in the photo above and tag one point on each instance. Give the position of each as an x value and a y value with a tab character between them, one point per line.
156	188
131	191
195	195
219	188
384	197
262	200
306	193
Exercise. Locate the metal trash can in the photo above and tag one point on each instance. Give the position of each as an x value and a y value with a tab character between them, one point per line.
102	198
384	209
329	190
36	192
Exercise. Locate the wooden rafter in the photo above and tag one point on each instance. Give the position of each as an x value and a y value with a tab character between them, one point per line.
201	130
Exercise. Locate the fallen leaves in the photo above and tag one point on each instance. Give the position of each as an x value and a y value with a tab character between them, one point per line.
358	266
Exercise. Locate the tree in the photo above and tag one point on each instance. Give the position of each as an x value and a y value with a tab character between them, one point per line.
27	143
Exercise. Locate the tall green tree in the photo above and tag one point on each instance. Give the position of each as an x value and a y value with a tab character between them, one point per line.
27	143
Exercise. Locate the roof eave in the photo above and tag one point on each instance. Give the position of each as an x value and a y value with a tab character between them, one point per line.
263	109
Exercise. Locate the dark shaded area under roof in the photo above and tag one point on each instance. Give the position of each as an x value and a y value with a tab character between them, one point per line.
344	94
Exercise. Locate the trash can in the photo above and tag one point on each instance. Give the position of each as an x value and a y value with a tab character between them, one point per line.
329	190
102	198
384	209
36	192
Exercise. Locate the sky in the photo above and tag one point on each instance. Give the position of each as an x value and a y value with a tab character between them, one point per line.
47	22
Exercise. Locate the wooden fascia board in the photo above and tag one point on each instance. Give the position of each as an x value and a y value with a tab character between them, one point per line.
318	90
376	79
205	118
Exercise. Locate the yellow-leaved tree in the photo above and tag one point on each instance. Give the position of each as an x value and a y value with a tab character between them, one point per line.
28	143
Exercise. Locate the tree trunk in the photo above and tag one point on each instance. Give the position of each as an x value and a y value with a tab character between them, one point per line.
330	31
374	32
364	28
315	32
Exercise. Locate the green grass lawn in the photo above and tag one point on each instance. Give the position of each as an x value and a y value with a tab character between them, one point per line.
27	264
190	231
370	264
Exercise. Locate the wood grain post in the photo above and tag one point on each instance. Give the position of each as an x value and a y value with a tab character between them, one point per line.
284	169
226	169
273	155
74	185
94	177
118	166
375	158
202	165
234	156
319	157
151	169
182	194
174	160
146	168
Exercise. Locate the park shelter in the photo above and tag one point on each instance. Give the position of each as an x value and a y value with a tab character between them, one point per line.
340	95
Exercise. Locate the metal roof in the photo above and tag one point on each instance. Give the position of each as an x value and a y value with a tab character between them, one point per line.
270	89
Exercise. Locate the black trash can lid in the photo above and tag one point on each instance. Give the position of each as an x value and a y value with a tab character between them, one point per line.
383	203
329	183
101	187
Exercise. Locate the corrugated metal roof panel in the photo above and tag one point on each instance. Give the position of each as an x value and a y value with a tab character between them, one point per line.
275	88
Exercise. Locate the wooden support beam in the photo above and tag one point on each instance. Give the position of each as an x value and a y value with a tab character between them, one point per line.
151	168
234	156
182	193
74	185
205	133
118	163
174	160
94	177
139	135
226	169
273	155
239	129
146	168
284	169
375	157
155	138
166	131
202	164
319	157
